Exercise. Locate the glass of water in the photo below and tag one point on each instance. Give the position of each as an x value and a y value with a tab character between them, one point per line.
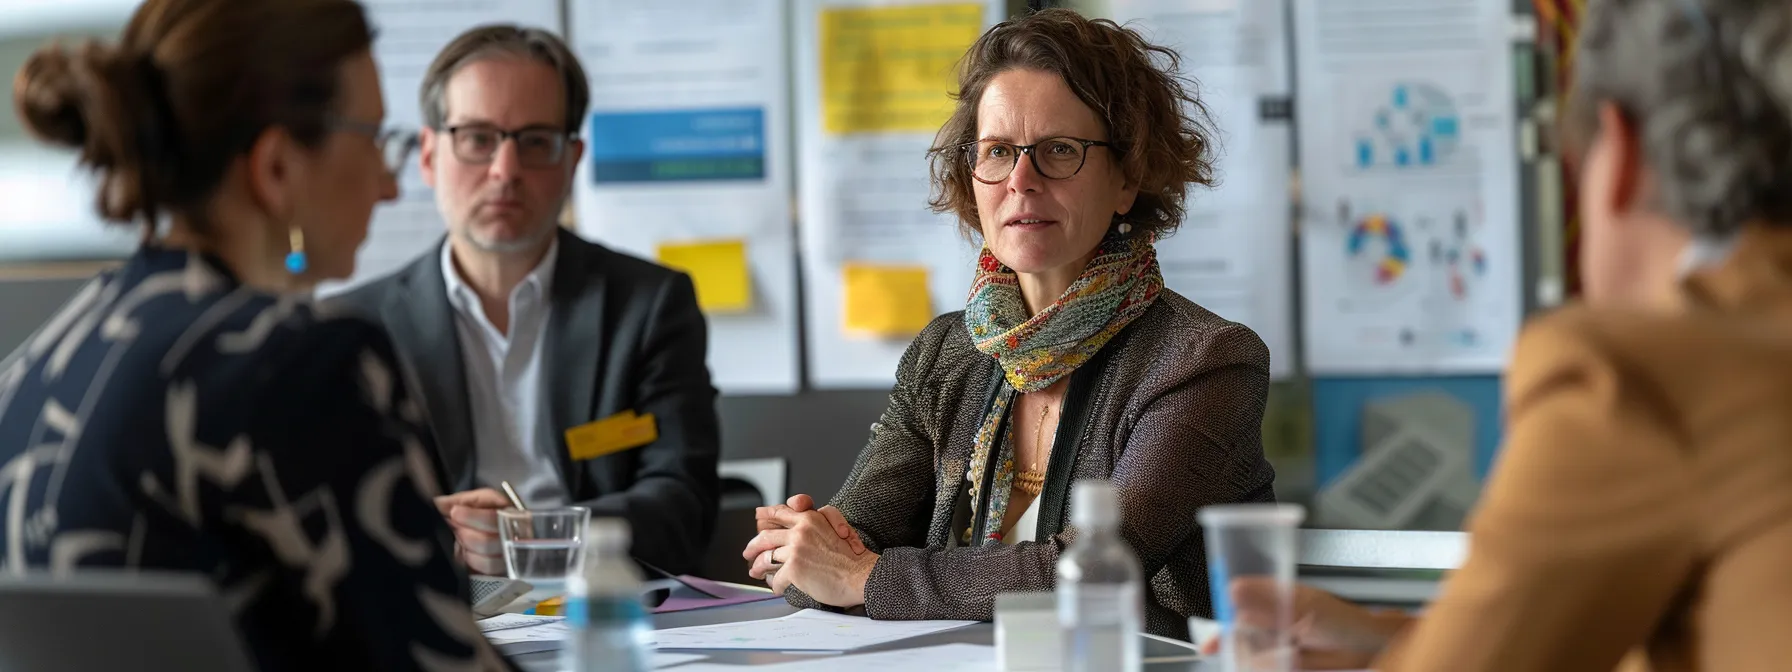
1254	542
543	546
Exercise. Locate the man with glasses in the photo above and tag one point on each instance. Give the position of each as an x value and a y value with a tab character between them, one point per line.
571	372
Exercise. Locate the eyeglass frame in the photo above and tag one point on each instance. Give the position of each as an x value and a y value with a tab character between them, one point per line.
971	147
381	136
509	135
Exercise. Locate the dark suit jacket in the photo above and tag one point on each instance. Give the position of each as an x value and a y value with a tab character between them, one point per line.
624	335
1171	410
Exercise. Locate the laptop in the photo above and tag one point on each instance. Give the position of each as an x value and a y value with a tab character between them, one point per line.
116	620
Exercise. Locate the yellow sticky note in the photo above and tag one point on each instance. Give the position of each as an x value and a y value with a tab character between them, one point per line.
613	434
719	269
893	69
890	301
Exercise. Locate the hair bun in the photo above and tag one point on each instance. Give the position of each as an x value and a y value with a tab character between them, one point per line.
48	94
96	100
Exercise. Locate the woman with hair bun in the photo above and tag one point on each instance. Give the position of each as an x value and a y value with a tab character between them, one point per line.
189	410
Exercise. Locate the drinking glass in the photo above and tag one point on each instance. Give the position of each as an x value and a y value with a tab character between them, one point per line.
543	546
1255	541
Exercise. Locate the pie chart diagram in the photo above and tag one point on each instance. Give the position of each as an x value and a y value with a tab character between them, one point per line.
1378	244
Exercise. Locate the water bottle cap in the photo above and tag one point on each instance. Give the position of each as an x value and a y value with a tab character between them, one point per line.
607	534
1094	503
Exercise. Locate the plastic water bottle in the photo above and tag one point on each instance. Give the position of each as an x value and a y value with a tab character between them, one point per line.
608	628
1099	587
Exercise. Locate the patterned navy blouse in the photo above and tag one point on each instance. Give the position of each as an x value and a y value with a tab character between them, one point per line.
170	418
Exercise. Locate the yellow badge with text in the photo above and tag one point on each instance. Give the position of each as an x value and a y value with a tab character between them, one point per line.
613	434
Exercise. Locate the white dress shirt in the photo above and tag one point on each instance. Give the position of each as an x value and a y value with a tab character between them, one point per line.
1026	526
504	384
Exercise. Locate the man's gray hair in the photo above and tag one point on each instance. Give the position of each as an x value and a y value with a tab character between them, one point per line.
505	40
1708	84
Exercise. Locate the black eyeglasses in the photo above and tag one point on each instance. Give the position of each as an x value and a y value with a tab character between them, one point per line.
1059	158
395	144
536	146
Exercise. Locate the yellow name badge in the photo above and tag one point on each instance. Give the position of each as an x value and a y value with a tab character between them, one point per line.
613	434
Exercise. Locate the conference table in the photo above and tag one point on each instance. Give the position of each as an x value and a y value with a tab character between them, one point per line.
1159	655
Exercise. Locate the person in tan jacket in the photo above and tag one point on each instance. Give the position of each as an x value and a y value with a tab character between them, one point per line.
1642	504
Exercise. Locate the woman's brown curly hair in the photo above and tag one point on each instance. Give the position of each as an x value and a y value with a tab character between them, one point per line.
1160	130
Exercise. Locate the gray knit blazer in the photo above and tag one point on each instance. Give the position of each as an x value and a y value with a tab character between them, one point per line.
1171	410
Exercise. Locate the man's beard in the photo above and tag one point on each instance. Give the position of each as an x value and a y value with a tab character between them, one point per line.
536	236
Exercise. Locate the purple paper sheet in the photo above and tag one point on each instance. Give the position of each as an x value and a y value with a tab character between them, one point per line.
685	599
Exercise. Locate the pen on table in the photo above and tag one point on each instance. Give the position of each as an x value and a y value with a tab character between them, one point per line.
511	493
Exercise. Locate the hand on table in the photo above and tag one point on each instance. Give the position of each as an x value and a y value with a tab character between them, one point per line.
817	551
805	550
800	503
1329	632
474	516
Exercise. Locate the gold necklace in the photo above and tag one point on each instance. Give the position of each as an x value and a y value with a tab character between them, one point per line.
1032	481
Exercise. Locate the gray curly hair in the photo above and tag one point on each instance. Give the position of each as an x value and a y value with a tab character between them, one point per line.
1708	84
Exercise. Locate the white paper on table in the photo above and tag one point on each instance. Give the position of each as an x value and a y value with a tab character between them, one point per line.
940	658
514	621
517	634
806	630
507	629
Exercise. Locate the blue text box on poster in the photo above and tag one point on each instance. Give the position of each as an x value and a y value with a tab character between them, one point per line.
678	145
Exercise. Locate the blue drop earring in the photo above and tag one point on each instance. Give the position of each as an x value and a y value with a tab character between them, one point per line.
295	259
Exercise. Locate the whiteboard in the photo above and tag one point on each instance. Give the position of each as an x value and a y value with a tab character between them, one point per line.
688	162
1233	253
1410	246
862	191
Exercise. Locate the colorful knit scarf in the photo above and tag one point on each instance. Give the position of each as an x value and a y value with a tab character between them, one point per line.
1120	283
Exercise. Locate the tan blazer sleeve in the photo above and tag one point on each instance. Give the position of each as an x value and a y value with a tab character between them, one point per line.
1584	534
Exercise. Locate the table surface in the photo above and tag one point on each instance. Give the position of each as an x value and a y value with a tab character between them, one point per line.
982	633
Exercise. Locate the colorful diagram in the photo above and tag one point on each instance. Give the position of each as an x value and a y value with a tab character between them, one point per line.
1395	257
1416	126
1461	258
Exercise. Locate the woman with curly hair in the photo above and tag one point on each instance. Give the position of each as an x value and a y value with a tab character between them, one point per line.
1070	153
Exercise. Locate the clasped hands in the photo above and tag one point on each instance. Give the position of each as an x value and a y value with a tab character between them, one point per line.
815	550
